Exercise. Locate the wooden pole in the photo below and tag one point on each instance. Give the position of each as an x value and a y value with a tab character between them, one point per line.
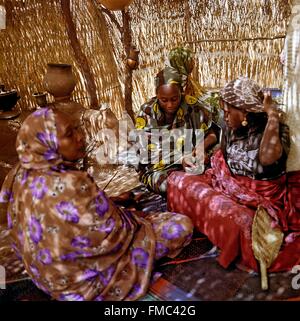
127	43
9	9
187	21
238	39
125	31
79	55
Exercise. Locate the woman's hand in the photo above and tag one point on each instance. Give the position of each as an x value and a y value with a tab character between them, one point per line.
188	162
193	165
269	106
270	149
200	154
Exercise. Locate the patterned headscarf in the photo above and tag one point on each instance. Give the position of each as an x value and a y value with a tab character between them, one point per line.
182	59
168	75
37	143
243	93
74	242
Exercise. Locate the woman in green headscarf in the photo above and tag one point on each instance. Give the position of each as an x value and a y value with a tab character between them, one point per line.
182	59
172	110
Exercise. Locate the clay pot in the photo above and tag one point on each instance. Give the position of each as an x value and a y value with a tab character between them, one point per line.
59	80
8	99
115	4
134	54
41	98
133	58
132	64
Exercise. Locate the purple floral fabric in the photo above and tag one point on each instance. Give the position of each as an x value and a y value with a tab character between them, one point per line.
75	243
37	142
35	230
101	204
38	187
172	230
44	256
140	257
81	242
68	212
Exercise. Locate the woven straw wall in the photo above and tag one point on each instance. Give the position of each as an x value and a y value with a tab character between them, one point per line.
229	38
37	35
200	29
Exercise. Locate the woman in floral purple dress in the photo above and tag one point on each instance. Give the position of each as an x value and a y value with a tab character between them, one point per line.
75	243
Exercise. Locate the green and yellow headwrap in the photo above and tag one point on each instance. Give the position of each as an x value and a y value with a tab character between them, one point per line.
182	59
168	75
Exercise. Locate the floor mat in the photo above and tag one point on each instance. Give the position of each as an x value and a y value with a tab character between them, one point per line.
24	290
182	279
280	288
199	277
205	279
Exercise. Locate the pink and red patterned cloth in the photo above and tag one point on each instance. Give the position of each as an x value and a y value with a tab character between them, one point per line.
222	207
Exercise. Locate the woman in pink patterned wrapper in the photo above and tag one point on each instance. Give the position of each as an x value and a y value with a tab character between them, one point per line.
249	171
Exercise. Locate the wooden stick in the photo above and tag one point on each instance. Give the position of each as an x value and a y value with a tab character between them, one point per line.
9	13
110	180
237	39
79	55
187	21
127	42
112	18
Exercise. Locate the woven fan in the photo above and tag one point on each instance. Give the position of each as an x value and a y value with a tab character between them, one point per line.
266	242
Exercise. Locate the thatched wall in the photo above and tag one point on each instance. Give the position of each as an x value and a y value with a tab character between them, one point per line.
36	34
204	26
229	38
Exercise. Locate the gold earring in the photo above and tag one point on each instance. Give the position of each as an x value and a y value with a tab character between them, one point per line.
244	122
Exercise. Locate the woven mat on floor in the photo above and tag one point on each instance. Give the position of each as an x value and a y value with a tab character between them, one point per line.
194	275
280	288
